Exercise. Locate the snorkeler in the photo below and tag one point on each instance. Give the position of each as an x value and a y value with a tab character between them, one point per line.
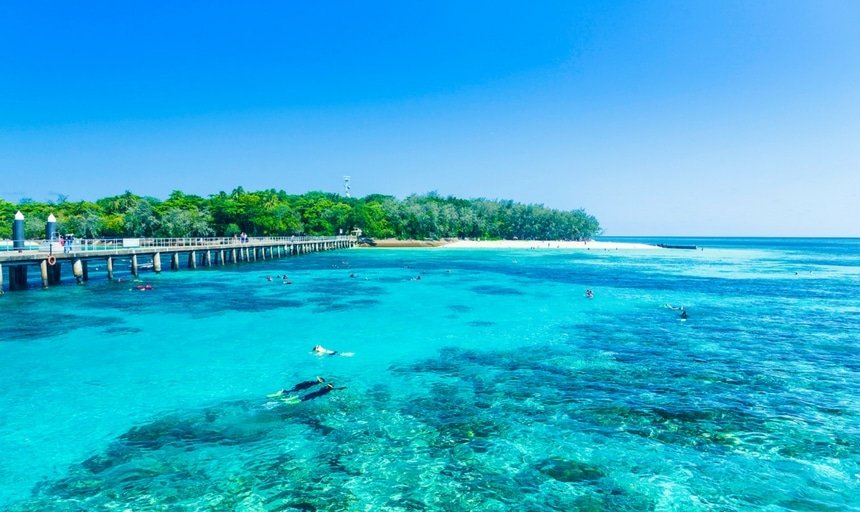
683	314
328	388
589	294
298	387
320	350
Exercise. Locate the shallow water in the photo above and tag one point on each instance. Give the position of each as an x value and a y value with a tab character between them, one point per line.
491	383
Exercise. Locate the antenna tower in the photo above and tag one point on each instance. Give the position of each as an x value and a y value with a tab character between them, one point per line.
346	185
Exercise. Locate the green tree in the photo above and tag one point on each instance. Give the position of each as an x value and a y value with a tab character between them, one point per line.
179	223
274	212
140	219
84	225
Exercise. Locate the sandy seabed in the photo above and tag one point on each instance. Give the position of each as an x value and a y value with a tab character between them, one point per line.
545	244
509	244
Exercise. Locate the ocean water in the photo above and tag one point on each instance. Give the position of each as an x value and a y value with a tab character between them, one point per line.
490	383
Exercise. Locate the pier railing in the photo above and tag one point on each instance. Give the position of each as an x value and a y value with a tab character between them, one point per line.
107	245
49	256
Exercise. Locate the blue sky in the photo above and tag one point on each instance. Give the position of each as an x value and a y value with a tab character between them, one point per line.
662	118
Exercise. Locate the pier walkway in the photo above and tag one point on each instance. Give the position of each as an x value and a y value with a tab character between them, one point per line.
149	253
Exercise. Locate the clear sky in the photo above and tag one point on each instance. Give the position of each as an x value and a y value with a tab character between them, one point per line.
685	118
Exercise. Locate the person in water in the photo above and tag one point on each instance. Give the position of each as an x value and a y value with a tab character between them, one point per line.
298	387
328	388
589	294
322	351
683	314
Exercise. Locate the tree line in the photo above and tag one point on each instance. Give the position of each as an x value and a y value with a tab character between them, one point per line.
277	213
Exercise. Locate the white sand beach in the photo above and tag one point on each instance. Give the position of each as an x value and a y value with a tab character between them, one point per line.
545	244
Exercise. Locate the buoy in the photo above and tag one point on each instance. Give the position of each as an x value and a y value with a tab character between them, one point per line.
52	260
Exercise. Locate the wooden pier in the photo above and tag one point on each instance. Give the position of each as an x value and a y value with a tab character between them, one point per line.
150	253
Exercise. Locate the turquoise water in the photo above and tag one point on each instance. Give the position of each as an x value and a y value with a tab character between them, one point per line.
491	383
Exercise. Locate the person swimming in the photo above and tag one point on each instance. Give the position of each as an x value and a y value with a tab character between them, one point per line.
328	388
683	314
298	387
322	351
589	294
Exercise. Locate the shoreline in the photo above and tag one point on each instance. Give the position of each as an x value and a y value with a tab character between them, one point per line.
511	244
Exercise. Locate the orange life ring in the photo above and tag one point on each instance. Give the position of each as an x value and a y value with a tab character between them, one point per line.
52	260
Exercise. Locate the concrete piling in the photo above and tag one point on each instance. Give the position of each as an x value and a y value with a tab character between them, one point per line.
192	259
156	262
134	269
110	268
43	269
17	277
174	261
78	270
54	273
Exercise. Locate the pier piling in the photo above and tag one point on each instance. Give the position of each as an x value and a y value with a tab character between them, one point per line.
17	277
78	270
54	274
156	262
43	269
110	268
